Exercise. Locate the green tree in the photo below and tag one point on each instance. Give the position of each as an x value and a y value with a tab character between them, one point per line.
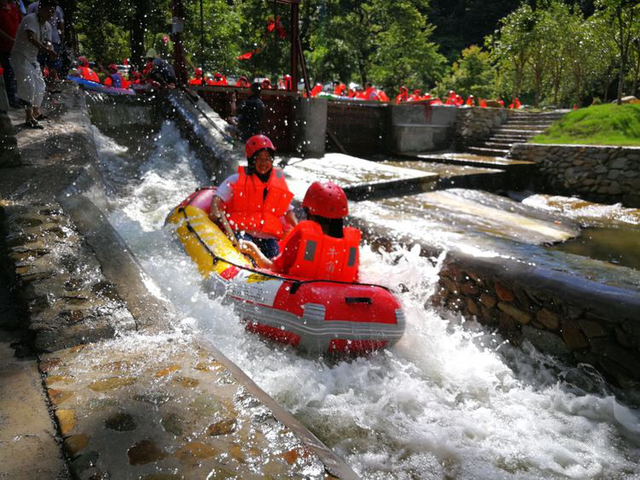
623	14
472	74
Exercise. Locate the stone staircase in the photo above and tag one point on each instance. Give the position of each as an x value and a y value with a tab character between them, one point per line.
520	127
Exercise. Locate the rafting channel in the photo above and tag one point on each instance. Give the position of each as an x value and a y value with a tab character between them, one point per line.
452	399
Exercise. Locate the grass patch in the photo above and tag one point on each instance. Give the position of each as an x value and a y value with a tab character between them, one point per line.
597	125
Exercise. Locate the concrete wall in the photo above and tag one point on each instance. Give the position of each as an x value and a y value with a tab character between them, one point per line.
606	174
474	124
418	128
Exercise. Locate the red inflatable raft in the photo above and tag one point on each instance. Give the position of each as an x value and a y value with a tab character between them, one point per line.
316	315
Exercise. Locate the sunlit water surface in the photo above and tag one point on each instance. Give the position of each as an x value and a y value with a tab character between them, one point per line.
449	401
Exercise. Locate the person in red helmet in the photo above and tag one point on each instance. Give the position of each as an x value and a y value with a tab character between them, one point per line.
114	79
320	247
85	71
197	79
243	82
219	80
403	95
255	203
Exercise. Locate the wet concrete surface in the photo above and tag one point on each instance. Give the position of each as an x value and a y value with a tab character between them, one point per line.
108	397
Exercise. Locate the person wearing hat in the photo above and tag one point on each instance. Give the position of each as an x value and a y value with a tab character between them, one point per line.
159	70
113	78
85	71
255	203
218	80
320	247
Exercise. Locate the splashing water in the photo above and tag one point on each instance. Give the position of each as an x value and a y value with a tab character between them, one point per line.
450	400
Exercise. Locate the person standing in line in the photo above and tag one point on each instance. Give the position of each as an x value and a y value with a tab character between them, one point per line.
10	18
248	116
33	36
57	34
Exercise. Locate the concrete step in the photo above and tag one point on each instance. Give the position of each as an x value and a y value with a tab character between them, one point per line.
497	144
507	140
517	131
473	160
491	152
523	127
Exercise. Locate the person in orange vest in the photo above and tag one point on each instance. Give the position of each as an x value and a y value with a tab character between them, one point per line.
315	91
266	84
197	78
340	89
403	95
515	104
243	82
416	96
383	96
219	80
426	96
370	93
451	98
321	247
114	79
435	101
135	78
287	83
85	71
250	205
470	101
483	103
458	101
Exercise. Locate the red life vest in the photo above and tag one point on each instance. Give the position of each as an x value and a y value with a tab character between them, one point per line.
89	74
322	257
195	81
402	97
249	209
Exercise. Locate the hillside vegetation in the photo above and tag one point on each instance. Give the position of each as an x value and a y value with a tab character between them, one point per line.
597	125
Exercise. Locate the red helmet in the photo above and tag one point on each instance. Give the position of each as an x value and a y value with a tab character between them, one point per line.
326	199
113	67
198	72
217	75
83	61
257	143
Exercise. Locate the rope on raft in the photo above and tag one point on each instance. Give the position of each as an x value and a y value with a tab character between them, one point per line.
296	283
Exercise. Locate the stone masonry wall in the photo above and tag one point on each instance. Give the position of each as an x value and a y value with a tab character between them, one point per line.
605	335
600	173
60	283
474	124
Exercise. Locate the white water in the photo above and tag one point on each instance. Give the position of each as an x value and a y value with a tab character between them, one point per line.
449	401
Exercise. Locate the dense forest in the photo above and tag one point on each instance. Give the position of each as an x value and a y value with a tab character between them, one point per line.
547	52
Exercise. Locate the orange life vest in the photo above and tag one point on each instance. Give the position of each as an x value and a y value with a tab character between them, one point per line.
89	74
249	209
402	97
195	81
323	257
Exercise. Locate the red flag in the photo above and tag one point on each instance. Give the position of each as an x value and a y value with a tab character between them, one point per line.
245	56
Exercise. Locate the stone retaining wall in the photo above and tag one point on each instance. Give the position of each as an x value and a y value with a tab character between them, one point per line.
600	173
60	283
571	318
474	124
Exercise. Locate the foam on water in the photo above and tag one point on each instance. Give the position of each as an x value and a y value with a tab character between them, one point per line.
450	400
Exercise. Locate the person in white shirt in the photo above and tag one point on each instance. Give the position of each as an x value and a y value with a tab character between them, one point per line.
33	36
57	35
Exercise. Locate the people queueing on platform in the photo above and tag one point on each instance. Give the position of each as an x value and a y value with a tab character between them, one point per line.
85	71
158	70
218	80
320	247
197	78
32	37
416	96
246	119
54	65
10	18
255	204
403	95
340	89
243	82
114	78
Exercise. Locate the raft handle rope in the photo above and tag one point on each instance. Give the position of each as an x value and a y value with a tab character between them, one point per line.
296	284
